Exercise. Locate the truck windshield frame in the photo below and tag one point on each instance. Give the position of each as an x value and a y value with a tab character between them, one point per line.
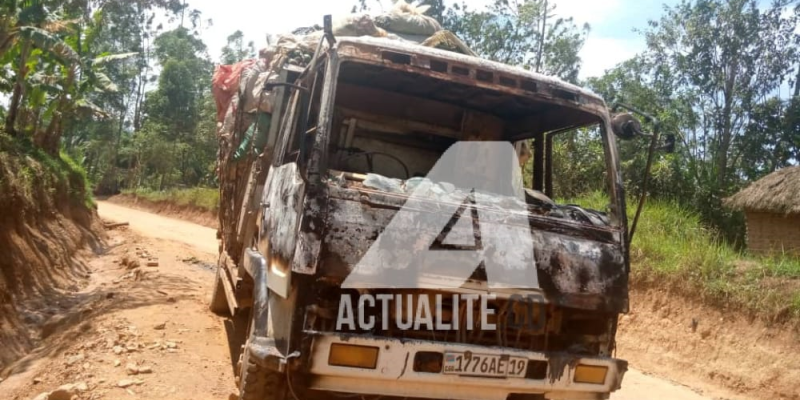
563	106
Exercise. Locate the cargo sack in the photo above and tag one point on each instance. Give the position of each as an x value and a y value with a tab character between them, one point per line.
408	19
228	122
251	88
257	98
447	40
357	25
298	50
225	84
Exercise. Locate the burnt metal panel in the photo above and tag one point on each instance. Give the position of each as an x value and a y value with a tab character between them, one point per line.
578	265
285	197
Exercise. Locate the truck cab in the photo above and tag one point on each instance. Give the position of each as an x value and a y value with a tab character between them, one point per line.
381	152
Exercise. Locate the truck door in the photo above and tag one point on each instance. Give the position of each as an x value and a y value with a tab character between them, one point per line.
283	202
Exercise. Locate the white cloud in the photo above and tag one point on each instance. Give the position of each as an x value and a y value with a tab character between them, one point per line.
258	18
599	53
602	53
583	11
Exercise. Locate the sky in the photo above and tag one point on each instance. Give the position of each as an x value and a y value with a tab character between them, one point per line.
612	38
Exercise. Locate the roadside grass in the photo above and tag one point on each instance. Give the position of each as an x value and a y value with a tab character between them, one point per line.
33	178
672	247
205	198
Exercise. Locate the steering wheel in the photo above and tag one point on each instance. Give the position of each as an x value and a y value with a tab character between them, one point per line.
370	154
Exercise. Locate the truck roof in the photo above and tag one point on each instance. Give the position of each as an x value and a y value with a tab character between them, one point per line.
493	72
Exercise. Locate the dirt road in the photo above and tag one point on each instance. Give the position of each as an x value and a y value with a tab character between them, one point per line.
138	332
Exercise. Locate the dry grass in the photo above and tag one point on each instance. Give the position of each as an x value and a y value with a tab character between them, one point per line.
205	198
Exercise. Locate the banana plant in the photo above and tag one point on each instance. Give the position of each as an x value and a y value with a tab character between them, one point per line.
54	77
26	26
75	100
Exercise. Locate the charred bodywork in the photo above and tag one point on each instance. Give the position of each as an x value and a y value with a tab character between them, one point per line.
373	111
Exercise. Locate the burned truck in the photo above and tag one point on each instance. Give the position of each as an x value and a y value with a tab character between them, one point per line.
314	270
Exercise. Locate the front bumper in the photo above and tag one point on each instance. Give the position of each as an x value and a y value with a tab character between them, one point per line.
394	374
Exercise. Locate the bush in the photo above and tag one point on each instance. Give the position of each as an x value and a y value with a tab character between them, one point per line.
34	181
672	247
205	198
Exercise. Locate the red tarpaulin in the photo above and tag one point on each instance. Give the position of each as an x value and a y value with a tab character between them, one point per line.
225	83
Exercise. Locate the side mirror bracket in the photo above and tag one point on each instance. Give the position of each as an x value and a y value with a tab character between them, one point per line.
627	127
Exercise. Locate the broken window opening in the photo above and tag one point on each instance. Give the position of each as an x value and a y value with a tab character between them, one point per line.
411	119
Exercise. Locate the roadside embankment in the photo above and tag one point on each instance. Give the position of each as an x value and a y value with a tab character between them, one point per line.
47	217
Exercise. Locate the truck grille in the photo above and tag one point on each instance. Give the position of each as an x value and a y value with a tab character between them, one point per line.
511	323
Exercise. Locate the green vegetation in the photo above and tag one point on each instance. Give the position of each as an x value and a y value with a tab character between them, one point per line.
205	198
672	248
34	181
79	77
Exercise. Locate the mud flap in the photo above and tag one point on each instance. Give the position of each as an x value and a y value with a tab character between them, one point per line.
273	315
256	267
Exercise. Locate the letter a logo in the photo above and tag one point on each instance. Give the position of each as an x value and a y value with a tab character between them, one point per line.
469	211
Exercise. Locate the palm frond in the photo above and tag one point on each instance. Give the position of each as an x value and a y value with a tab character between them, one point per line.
112	57
51	44
60	25
104	83
83	105
50	83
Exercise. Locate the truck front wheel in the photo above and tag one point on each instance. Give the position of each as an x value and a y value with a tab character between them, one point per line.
259	383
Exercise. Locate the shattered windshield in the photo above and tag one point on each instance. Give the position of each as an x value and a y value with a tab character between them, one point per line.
457	142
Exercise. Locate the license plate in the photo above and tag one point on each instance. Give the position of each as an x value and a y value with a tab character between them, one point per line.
488	365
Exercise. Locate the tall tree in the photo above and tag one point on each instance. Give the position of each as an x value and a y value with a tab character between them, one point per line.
712	73
236	50
527	33
27	30
177	102
733	56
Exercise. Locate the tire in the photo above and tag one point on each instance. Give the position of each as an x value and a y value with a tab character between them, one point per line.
219	302
259	383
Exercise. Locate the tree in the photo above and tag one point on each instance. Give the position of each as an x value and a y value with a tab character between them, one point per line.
175	109
733	56
527	33
771	138
77	73
236	50
710	74
27	30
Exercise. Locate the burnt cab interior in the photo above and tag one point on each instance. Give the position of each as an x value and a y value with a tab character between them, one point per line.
397	122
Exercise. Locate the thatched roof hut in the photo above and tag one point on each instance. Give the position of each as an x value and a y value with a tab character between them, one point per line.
772	207
777	193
